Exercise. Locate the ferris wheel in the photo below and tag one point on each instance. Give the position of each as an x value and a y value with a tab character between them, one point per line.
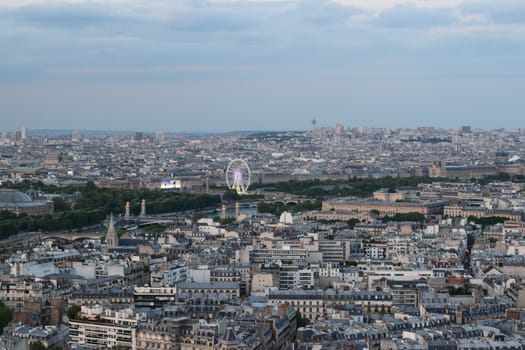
238	176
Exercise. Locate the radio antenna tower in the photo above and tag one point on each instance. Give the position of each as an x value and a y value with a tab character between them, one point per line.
314	122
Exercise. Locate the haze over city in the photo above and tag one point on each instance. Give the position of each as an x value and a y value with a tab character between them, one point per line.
218	65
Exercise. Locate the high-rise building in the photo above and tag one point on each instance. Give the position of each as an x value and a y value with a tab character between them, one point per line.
23	133
16	136
75	135
465	129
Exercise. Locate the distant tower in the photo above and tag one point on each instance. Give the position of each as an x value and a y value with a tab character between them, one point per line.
339	129
314	122
236	209
75	136
23	133
143	208
111	235
159	135
224	211
126	213
16	136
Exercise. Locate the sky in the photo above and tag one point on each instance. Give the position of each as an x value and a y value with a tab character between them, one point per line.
224	65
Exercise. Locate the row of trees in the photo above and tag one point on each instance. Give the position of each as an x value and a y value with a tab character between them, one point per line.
66	220
364	187
488	221
94	204
278	208
114	200
360	187
402	217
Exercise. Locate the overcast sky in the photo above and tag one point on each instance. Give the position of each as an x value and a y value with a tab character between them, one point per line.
221	65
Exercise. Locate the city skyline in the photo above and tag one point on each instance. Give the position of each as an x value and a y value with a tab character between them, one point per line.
219	65
196	133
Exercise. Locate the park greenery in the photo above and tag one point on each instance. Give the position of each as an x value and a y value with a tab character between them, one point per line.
364	187
88	205
359	187
92	205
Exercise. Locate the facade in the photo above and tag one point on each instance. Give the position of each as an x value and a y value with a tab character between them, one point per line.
168	273
164	334
262	256
310	303
384	208
231	289
16	293
261	281
461	210
313	303
104	328
101	335
153	297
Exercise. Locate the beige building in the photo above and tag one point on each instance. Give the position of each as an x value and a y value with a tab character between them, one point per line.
428	208
164	334
261	281
203	339
459	210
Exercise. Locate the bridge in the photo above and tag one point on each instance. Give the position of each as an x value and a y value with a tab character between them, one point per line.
138	221
71	236
282	197
147	220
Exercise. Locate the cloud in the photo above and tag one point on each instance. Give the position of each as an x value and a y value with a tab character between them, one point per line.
381	5
239	58
69	15
137	39
104	71
410	16
22	3
500	11
323	13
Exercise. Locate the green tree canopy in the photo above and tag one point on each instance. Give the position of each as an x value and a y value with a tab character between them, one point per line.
37	346
301	322
400	217
72	311
6	315
59	204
